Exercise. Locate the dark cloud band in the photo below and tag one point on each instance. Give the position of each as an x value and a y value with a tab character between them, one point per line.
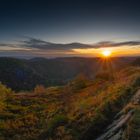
37	44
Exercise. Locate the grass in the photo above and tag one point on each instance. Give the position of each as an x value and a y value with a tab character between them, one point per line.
132	131
68	112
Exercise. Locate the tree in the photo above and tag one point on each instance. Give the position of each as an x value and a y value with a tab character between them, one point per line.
5	95
39	89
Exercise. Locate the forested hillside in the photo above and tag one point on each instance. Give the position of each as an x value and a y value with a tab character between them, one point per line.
80	110
136	62
20	74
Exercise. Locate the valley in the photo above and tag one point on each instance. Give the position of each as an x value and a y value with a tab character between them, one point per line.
102	108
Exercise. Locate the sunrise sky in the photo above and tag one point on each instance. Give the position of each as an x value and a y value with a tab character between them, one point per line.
63	28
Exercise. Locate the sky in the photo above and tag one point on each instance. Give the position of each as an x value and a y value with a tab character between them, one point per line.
28	25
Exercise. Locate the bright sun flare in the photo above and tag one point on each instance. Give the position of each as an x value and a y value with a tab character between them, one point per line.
106	53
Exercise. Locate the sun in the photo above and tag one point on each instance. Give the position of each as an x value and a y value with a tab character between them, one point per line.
106	53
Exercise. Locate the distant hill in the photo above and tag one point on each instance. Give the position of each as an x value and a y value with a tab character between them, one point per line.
18	75
136	62
21	74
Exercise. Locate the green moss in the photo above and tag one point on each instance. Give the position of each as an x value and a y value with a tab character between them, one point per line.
132	131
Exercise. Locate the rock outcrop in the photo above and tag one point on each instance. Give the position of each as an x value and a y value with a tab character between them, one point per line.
115	130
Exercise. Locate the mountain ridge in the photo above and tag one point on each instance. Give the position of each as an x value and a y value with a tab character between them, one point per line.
50	72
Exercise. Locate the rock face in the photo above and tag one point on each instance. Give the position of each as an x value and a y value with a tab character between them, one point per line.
115	130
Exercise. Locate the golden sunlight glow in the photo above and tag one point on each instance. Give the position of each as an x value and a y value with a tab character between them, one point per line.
106	53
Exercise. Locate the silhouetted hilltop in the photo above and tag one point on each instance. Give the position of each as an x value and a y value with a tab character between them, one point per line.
136	62
21	74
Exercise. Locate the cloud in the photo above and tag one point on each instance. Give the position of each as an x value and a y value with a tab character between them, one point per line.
116	44
127	43
40	44
35	47
12	47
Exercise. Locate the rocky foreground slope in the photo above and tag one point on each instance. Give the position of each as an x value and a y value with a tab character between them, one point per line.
80	110
116	129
